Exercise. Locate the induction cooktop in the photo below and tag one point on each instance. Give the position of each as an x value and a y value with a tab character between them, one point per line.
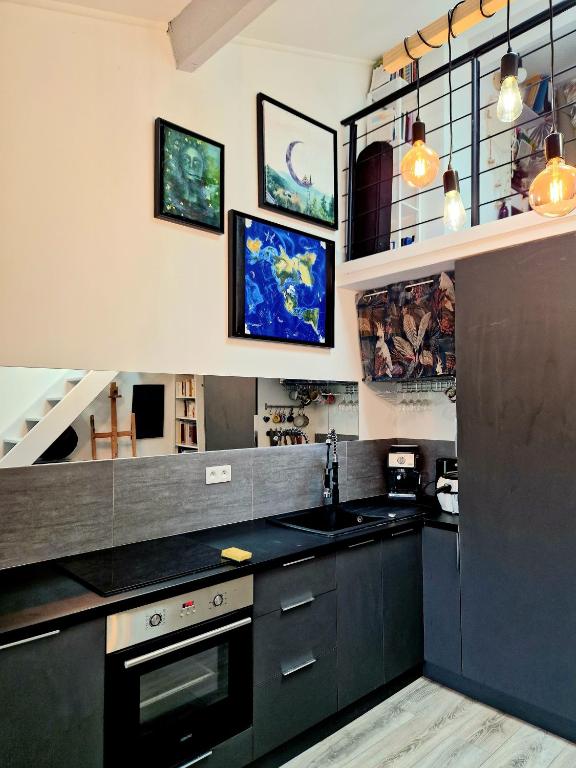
112	571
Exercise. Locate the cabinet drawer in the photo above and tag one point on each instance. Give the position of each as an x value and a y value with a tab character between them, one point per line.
236	752
288	705
284	638
296	580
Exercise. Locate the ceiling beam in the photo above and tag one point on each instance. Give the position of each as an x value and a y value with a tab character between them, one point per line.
205	26
466	16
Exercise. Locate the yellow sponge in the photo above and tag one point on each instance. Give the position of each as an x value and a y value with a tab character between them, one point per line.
238	555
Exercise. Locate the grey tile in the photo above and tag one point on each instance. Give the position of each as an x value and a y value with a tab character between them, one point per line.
366	468
54	510
168	495
289	478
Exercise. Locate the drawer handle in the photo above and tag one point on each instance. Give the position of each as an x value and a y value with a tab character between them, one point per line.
403	533
297	562
197	760
361	543
308	601
299	668
30	639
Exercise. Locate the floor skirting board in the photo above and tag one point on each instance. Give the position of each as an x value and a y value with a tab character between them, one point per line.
541	718
326	728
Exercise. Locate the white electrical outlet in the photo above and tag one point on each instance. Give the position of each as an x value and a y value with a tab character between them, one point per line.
221	474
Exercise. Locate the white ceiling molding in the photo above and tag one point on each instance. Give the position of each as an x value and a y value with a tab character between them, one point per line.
253	42
91	13
205	26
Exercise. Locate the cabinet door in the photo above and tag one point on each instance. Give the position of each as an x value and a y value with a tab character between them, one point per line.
52	699
360	621
402	581
517	484
441	577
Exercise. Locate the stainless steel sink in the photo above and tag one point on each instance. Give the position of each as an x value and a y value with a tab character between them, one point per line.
336	520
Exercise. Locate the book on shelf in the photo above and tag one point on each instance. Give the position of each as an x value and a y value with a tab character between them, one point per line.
186	388
189	409
187	434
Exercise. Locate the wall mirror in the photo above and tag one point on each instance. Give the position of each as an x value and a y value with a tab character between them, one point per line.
56	415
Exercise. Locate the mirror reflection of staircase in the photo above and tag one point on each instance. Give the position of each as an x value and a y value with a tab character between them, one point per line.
46	419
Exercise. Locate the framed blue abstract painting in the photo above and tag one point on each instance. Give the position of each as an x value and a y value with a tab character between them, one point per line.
281	283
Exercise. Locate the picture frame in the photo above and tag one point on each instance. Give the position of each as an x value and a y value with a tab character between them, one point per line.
188	177
281	283
297	164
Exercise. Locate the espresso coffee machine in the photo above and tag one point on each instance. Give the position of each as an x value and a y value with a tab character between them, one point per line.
403	476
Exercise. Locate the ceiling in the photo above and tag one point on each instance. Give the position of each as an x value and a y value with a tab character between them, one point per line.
359	29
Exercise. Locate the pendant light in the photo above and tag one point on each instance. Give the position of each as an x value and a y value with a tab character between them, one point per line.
553	191
454	212
510	104
420	165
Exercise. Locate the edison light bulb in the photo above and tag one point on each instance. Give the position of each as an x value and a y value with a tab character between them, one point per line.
420	164
509	106
454	211
553	191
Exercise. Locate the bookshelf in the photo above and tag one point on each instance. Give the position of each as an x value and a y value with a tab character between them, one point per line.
189	434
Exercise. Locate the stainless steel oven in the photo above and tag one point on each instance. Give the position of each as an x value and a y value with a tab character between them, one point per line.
179	677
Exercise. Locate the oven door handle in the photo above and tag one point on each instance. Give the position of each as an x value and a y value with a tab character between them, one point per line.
197	760
185	643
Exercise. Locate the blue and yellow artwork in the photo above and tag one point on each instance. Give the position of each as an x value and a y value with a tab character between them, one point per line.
287	283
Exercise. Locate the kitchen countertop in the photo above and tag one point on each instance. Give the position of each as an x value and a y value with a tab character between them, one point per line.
39	598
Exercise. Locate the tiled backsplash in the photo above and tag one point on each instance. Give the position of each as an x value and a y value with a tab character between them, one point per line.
50	511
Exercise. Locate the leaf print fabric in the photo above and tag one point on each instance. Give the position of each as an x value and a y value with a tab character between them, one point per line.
407	330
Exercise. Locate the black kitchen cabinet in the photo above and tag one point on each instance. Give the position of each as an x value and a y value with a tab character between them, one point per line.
441	582
517	451
402	585
360	620
294	650
52	699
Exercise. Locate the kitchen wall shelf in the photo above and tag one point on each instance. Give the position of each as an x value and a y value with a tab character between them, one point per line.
403	386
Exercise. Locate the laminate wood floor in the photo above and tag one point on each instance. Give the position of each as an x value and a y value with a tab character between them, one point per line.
428	726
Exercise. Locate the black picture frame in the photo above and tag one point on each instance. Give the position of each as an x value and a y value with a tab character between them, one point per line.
237	282
160	208
263	202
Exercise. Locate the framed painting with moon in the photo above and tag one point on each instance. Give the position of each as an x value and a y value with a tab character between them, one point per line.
281	283
297	167
189	178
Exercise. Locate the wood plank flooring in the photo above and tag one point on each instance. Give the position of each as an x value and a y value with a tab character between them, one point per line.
428	726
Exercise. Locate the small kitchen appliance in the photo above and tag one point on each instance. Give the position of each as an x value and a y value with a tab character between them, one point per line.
403	473
447	485
179	676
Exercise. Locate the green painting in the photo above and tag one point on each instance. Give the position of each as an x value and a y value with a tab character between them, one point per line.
189	178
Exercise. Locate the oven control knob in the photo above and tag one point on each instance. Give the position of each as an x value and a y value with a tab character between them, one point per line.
217	600
155	620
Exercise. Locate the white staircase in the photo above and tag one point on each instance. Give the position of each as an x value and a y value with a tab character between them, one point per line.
27	439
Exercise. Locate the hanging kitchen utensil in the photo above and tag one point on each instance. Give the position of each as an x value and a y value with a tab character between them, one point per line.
290	417
276	418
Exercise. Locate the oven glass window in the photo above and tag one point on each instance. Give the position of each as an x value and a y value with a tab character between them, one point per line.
198	681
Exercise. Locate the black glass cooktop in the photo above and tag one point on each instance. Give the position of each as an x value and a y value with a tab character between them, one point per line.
111	571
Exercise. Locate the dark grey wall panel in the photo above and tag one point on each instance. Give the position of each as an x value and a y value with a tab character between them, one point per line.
167	495
291	477
229	409
53	510
366	468
517	451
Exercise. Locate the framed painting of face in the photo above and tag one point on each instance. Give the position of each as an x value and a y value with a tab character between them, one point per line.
189	178
281	283
297	167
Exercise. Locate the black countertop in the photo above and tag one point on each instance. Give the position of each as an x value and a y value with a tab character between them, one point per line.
42	597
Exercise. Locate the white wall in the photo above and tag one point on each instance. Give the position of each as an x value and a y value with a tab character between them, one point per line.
89	278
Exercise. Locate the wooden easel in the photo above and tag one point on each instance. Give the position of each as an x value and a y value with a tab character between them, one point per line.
113	435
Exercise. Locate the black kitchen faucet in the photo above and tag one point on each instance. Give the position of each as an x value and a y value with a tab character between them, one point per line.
331	487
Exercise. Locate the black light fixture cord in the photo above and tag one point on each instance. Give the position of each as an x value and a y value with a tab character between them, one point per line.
553	95
418	89
450	14
508	26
